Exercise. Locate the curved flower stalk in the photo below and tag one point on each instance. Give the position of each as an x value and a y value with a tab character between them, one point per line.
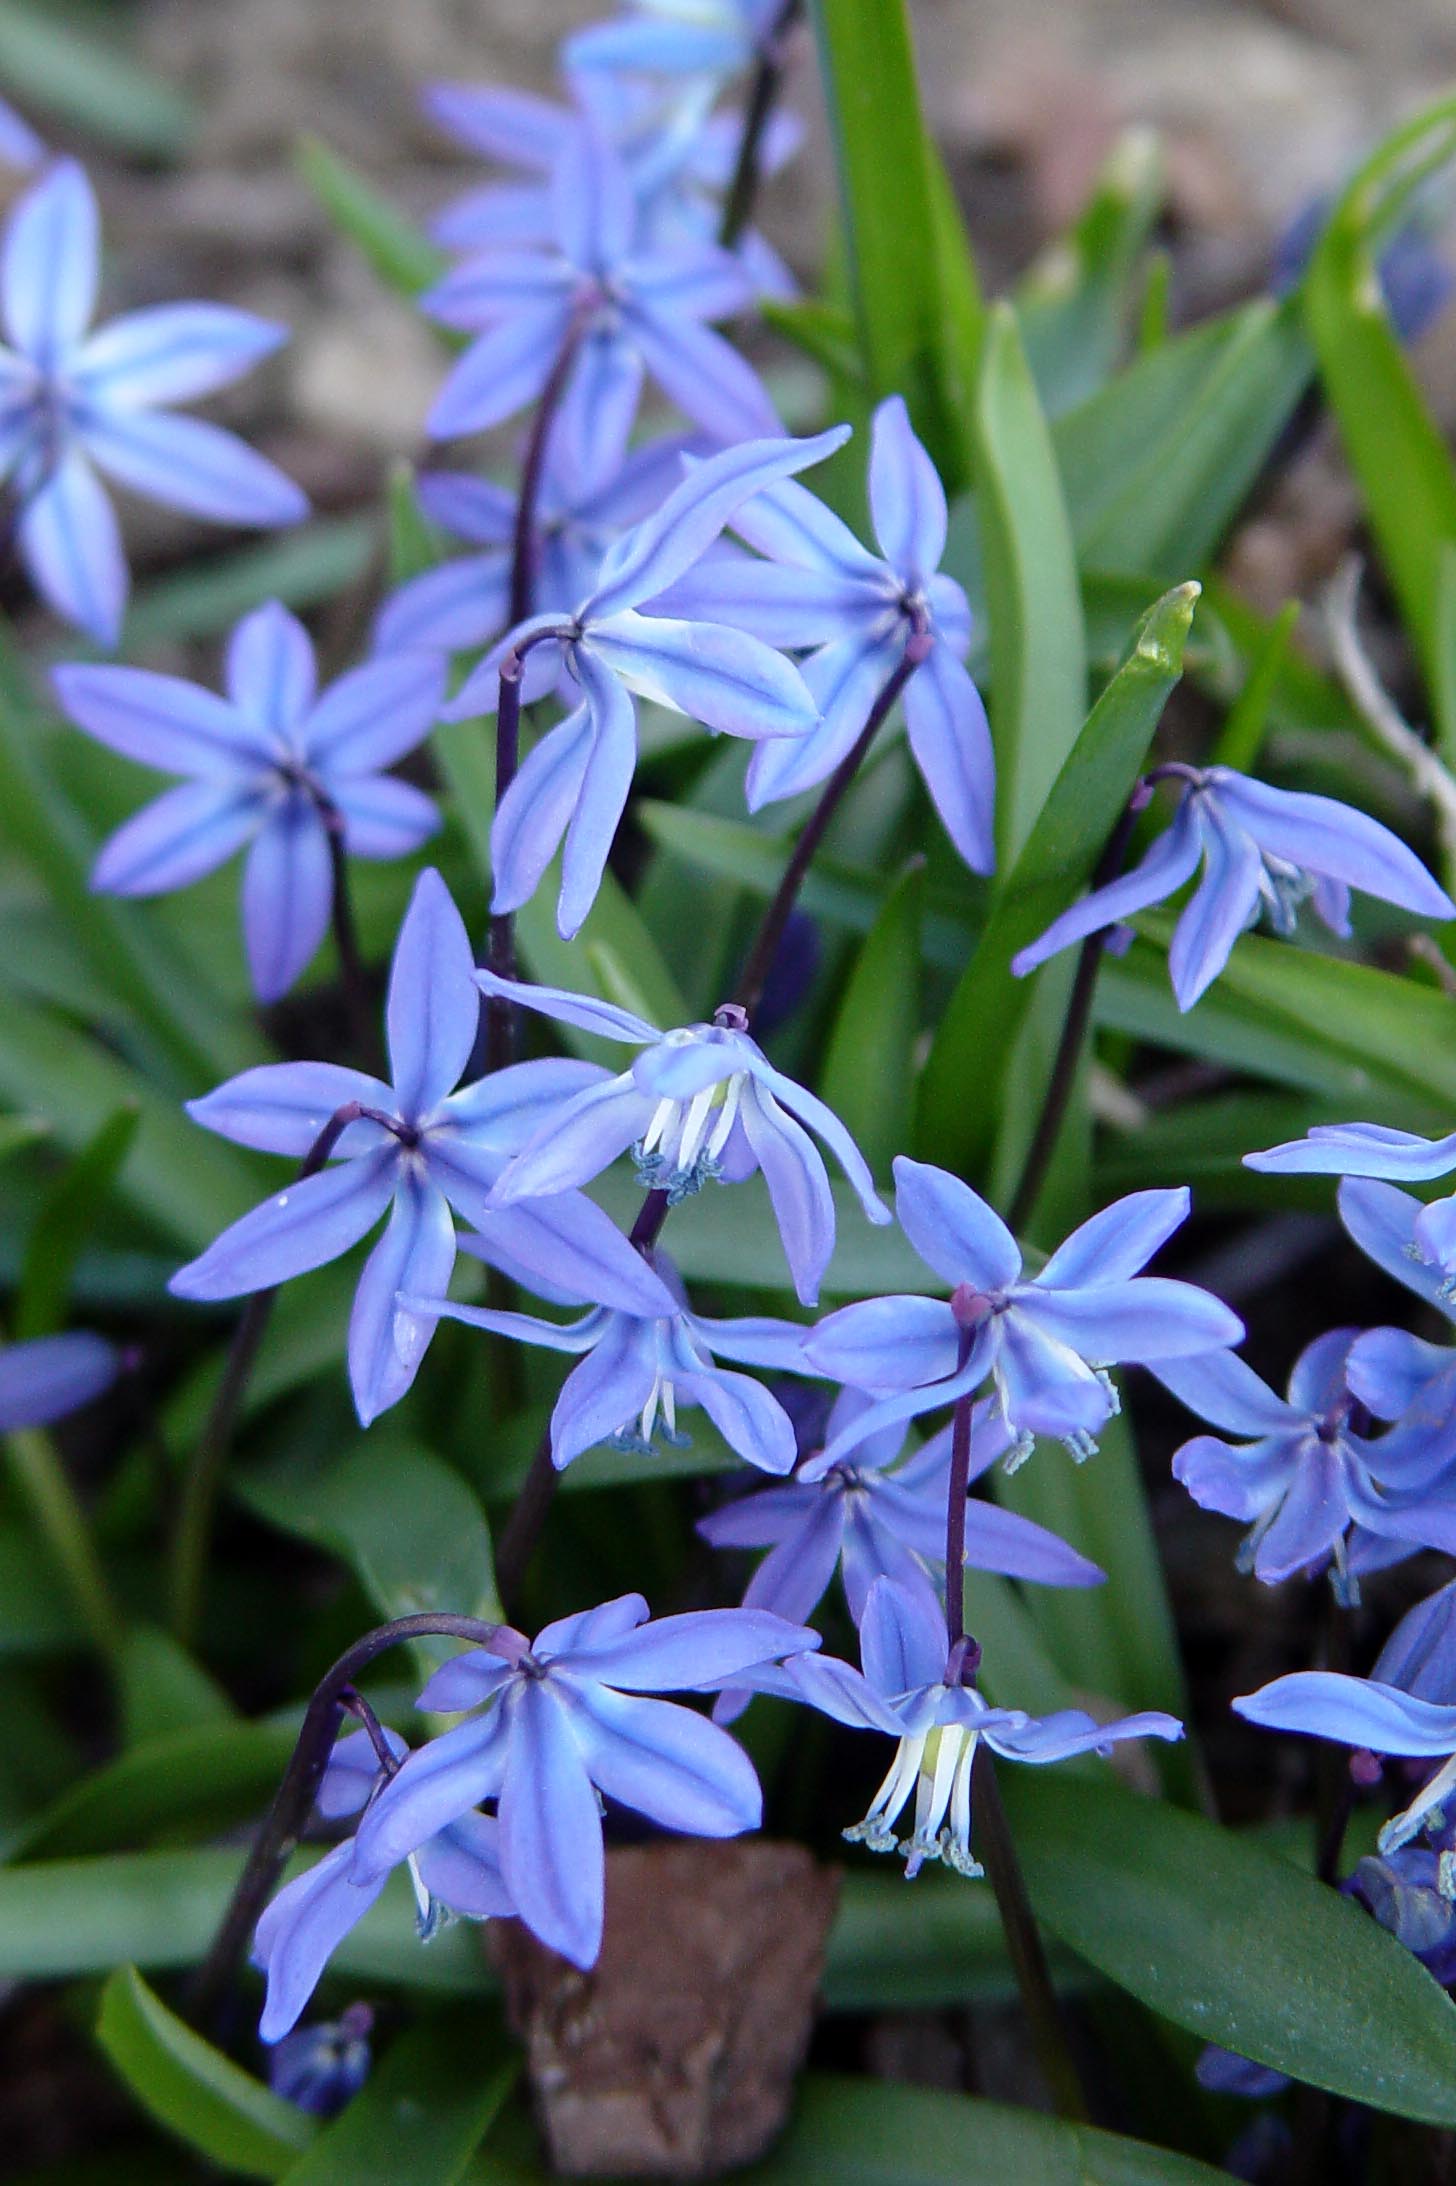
1316	1493
639	1369
1045	1342
910	1691
582	508
275	764
1262	850
624	308
1372	1717
576	782
456	1871
415	1148
817	587
73	402
561	1720
703	1101
48	1377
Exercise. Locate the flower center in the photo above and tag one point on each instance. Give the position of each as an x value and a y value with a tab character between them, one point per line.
936	1765
683	1143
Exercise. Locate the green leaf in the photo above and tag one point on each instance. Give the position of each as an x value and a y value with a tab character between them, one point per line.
36	1616
19	1133
1242	735
204	1777
863	2133
415	544
1033	600
163	1690
1076	305
64	1223
822	330
403	257
91	83
1071	830
868	1074
1233	1943
423	2113
194	2090
891	1949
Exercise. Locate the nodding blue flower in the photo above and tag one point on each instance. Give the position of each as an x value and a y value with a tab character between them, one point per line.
1372	1716
818	587
1262	850
454	1869
576	781
415	1148
73	402
1045	1342
876	1519
632	309
703	1101
1317	1492
582	509
275	764
711	39
48	1377
561	1720
322	2068
912	1690
1394	1374
1373	1150
640	1368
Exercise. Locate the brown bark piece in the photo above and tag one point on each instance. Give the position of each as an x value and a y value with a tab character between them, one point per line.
675	2057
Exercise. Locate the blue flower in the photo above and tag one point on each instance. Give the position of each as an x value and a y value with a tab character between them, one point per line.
911	1691
576	781
322	2068
44	1379
19	145
1045	1342
1373	1150
1373	1717
1261	849
633	309
709	38
416	1148
561	1720
274	764
1316	1492
1394	1374
70	400
640	1367
821	588
703	1101
453	1869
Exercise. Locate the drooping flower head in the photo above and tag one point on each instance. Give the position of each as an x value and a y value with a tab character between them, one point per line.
703	1101
275	764
561	1719
1374	1150
73	402
1371	1716
1044	1342
1262	850
414	1147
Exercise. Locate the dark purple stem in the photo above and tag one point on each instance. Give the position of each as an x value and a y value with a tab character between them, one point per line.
763	96
346	938
333	1697
956	1493
524	538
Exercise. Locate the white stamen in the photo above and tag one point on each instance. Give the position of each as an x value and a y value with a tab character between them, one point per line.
1423	1812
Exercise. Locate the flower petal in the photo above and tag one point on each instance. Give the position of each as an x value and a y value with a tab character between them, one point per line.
187	463
462	604
460	1865
1360	1149
300	1931
172	353
44	1379
177	838
299	1228
664	1761
844	679
433	1011
383	818
271	673
1382	1221
902	1638
606	783
683	1653
751	1421
1150	1317
584	1011
550	1830
580	1141
1221	907
501	371
288	886
1335	840
950	739
606	1393
821	1119
1355	1711
49	265
531	818
953	1229
1226	1392
885	1343
699	371
70	543
721	677
1161	871
375	714
798	1188
907	499
162	721
280	1108
414	1256
437	1784
1117	1242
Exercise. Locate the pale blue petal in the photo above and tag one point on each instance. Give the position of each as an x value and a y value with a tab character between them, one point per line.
567	1242
609	1621
280	1108
1317	1377
593	426
460	1866
696	368
1159	873
676	1654
892	1410
692	281
721	677
299	1228
351	1773
300	1931
789	524
1117	1242
1048	1387
1238	1483
495	216
502	1111
479	694
652	45
784	606
436	1785
1382	1220
907	499
755	1340
751	1421
798	1187
1360	1149
177	838
577	1336
1017	1547
44	1379
1391	1371
433	1010
593	210
49	264
498	288
375	714
606	783
531	818
70	543
585	1138
1333	839
885	1343
902	1637
664	1761
821	1118
1354	1711
161	721
172	353
287	893
835	1689
454	608
607	1392
383	818
472	508
791	1580
518	127
467	1680
1150	1317
1222	906
585	1011
550	1830
1071	1731
271	673
500	373
1309	1521
844	680
767	1516
187	463
414	1256
1226	1392
953	1229
874	1550
950	739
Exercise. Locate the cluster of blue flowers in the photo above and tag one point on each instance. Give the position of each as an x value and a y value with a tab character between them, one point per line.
697	572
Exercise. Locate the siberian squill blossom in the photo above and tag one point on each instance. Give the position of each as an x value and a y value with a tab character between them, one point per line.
702	1101
818	587
1314	1490
1044	1341
706	38
1374	1150
1262	850
1397	1375
415	1148
44	1379
576	781
275	764
634	310
562	1719
72	403
912	1692
322	2067
1372	1717
639	1369
454	1869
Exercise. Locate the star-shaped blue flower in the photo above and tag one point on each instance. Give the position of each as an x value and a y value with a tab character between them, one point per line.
73	402
276	764
417	1148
